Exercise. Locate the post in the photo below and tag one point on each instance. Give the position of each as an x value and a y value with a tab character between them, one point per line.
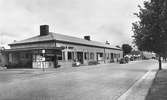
104	56
43	64
160	63
43	52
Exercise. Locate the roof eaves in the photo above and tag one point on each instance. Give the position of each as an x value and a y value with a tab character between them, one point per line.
60	41
31	42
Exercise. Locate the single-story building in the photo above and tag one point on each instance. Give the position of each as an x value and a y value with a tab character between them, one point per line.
50	49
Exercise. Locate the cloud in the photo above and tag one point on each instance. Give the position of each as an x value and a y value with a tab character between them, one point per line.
102	19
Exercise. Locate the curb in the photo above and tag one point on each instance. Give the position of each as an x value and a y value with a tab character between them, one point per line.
150	94
139	90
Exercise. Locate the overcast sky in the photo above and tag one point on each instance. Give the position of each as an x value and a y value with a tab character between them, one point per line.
101	19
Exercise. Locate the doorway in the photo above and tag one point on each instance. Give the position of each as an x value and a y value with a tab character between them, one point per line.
112	57
80	57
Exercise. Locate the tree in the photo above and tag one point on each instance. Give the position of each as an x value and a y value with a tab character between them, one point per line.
150	31
126	49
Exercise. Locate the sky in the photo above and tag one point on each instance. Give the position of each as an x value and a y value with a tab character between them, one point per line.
103	20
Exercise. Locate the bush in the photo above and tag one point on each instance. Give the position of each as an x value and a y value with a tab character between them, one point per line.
92	63
76	64
112	61
57	66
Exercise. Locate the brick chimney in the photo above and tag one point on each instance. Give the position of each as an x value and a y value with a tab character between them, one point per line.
87	37
44	30
107	43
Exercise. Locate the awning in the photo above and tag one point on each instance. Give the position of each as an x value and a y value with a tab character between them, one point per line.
33	48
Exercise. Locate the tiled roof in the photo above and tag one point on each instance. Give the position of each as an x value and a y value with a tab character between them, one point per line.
63	38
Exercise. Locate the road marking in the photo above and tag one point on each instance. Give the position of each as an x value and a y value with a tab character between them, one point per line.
140	88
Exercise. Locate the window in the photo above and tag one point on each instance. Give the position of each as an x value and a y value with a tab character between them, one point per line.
108	54
26	55
49	58
105	55
119	56
101	54
63	55
69	55
59	57
112	55
34	57
86	54
115	55
91	55
22	55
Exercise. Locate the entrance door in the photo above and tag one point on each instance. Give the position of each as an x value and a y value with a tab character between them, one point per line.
80	57
112	57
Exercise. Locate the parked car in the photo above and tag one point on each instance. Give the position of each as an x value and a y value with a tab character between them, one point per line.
3	67
131	58
124	60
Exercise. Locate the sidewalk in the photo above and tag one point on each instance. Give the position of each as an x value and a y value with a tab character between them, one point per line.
140	88
158	91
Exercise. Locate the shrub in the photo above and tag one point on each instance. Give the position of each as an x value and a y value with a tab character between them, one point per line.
92	63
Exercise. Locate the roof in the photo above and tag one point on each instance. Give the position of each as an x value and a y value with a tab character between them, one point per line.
63	38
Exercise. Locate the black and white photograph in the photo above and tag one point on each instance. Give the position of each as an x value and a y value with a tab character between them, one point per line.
83	50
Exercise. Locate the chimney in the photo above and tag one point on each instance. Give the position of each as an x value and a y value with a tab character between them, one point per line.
107	43
87	37
44	30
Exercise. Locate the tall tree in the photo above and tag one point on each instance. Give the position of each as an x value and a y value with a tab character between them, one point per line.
126	49
150	31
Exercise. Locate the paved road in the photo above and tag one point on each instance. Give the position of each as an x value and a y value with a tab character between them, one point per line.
101	82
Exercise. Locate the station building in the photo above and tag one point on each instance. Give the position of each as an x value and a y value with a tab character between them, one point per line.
50	49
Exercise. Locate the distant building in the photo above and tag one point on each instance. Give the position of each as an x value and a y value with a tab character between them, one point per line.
3	58
51	49
148	55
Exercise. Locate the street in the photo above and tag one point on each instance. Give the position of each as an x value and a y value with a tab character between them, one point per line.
101	82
